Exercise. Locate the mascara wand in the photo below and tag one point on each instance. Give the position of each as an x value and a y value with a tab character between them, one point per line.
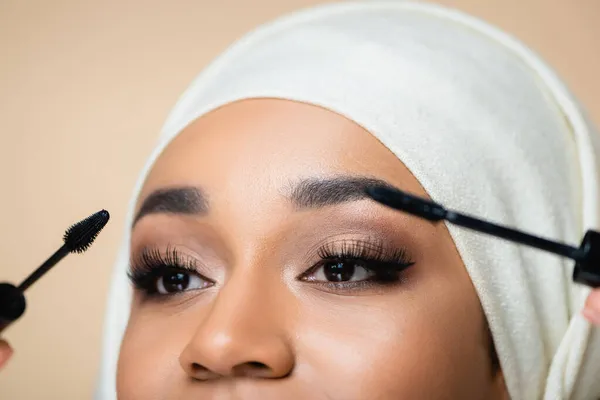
77	239
586	256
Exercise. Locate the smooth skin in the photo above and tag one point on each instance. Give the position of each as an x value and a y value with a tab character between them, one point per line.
260	331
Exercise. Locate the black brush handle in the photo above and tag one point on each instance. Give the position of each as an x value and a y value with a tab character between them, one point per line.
45	267
587	268
12	304
587	256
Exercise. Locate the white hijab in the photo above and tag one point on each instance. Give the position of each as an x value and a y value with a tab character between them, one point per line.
482	123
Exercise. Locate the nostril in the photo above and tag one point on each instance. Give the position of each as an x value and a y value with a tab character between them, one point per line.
252	369
201	373
256	365
197	367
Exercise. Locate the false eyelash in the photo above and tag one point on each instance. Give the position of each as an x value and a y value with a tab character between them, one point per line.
151	264
365	250
387	263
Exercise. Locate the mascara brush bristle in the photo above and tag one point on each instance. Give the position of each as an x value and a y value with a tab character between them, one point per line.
79	237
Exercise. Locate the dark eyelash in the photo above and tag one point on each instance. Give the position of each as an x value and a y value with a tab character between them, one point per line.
372	250
385	261
151	264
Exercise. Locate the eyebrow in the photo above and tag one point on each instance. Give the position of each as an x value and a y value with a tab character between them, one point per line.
187	200
306	194
316	193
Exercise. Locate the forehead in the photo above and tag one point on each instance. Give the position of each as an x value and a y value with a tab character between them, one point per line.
268	144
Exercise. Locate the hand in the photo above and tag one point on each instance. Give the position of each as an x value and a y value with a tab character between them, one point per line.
592	307
5	352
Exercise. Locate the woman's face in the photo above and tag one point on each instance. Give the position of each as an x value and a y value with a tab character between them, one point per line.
262	272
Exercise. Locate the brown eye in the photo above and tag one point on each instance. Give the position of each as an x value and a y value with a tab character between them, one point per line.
178	281
341	271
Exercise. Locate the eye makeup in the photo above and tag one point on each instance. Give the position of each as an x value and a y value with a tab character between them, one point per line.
338	265
156	273
355	264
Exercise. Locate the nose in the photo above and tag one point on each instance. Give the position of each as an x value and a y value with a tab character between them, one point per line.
242	335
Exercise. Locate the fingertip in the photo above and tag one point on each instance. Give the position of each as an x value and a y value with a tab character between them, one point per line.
591	315
593	300
5	352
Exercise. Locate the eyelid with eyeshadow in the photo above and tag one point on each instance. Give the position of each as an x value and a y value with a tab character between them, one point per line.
373	254
384	262
152	263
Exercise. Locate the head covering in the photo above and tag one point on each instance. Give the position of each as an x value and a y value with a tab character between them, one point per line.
481	122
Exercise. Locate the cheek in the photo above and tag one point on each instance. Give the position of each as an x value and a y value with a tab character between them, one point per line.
149	359
398	347
423	340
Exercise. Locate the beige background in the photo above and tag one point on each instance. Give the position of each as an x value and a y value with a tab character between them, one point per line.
84	89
